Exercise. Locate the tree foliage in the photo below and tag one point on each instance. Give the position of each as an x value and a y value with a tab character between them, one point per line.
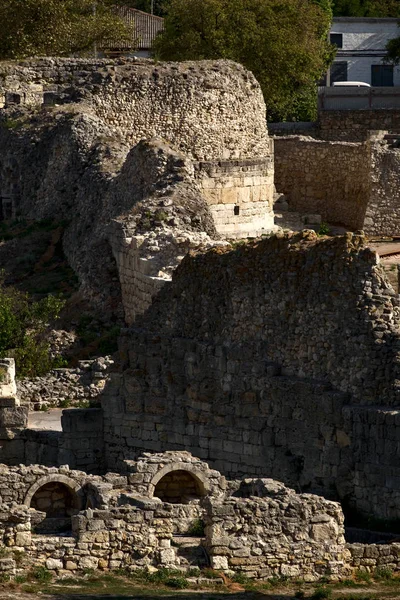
393	51
366	8
283	42
23	328
56	27
145	5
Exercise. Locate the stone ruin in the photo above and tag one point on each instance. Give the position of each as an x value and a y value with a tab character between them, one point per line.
146	161
67	520
278	358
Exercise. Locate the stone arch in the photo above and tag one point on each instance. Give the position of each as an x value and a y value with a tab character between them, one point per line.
74	487
55	498
192	482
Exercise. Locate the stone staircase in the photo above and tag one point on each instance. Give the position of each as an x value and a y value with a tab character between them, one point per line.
190	551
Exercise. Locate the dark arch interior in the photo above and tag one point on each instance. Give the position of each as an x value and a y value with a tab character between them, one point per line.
179	487
58	502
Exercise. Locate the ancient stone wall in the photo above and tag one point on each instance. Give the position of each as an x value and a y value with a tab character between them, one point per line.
89	166
168	100
382	215
260	537
352	184
258	359
369	557
239	195
66	520
64	387
328	178
356	125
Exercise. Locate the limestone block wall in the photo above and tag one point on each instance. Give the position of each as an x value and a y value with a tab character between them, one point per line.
282	534
332	179
355	125
383	210
64	387
276	533
138	283
255	358
369	557
240	195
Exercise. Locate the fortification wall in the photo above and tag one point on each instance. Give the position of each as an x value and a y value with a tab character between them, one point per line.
139	99
239	195
262	360
88	160
327	178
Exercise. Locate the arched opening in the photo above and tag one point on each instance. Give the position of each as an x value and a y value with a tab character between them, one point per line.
55	503
179	487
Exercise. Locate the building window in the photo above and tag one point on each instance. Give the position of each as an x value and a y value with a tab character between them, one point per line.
337	39
338	72
382	75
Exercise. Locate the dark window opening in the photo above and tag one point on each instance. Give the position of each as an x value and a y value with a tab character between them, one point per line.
337	39
338	72
236	210
382	75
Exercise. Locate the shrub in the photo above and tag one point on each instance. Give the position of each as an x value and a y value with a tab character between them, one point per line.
23	326
383	574
42	574
363	576
178	583
240	578
196	528
324	229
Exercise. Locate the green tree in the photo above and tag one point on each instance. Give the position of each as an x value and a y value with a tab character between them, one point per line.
56	27
366	8
23	328
145	5
283	42
393	51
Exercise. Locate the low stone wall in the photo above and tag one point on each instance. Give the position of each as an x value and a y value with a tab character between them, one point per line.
370	557
65	387
112	527
327	178
355	125
261	537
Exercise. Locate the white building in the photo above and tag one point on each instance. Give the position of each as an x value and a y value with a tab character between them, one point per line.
361	50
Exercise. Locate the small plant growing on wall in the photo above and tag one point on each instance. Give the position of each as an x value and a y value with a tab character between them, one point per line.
324	229
196	528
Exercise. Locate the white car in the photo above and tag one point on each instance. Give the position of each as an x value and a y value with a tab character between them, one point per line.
350	84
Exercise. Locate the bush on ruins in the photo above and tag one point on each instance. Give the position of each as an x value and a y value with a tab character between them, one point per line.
283	42
23	327
55	27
